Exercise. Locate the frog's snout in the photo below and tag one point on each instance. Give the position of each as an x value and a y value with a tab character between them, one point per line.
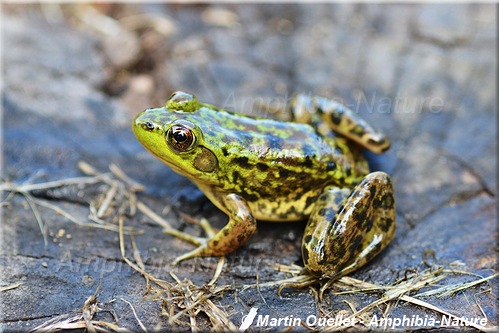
143	126
146	121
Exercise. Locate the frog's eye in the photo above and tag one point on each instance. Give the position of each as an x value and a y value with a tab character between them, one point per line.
180	138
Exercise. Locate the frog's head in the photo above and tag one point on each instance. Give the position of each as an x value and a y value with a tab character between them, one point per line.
171	134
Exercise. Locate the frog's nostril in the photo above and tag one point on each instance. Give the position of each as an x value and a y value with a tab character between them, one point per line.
149	125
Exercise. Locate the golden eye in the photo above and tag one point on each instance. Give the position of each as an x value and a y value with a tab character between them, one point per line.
180	138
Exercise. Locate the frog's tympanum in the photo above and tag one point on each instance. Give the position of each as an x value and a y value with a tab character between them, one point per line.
255	168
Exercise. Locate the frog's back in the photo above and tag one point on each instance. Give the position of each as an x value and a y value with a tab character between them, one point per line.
275	161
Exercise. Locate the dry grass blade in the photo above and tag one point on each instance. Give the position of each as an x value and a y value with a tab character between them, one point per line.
75	323
107	199
12	187
434	308
32	204
134	185
106	226
88	311
88	169
95	216
135	314
399	291
219	318
10	287
396	292
183	299
218	271
299	280
152	215
79	319
451	289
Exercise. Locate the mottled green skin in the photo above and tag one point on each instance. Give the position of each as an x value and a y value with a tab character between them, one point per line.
254	168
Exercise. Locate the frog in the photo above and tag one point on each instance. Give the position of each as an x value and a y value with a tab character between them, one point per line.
254	168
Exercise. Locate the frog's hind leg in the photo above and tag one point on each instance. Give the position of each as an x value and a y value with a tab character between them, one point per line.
327	115
349	228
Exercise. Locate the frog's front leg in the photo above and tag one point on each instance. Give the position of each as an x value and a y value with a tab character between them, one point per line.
348	228
235	233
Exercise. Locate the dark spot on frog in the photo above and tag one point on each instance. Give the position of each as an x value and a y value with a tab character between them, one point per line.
283	173
225	152
307	162
359	131
373	189
331	166
251	197
325	260
283	215
388	202
310	200
241	238
359	214
262	206
377	202
336	117
337	247
242	162
385	224
307	239
235	176
368	223
328	214
323	198
348	171
291	211
355	244
262	167
322	212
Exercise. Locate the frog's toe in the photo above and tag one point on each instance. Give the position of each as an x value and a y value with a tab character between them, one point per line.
197	252
185	236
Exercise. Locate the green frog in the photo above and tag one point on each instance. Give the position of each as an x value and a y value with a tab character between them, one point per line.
264	169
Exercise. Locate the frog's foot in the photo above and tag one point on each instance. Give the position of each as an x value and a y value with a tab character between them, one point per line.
298	282
240	227
198	241
207	228
341	238
198	252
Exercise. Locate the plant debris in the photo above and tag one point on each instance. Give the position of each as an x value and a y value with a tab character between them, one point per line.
186	305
